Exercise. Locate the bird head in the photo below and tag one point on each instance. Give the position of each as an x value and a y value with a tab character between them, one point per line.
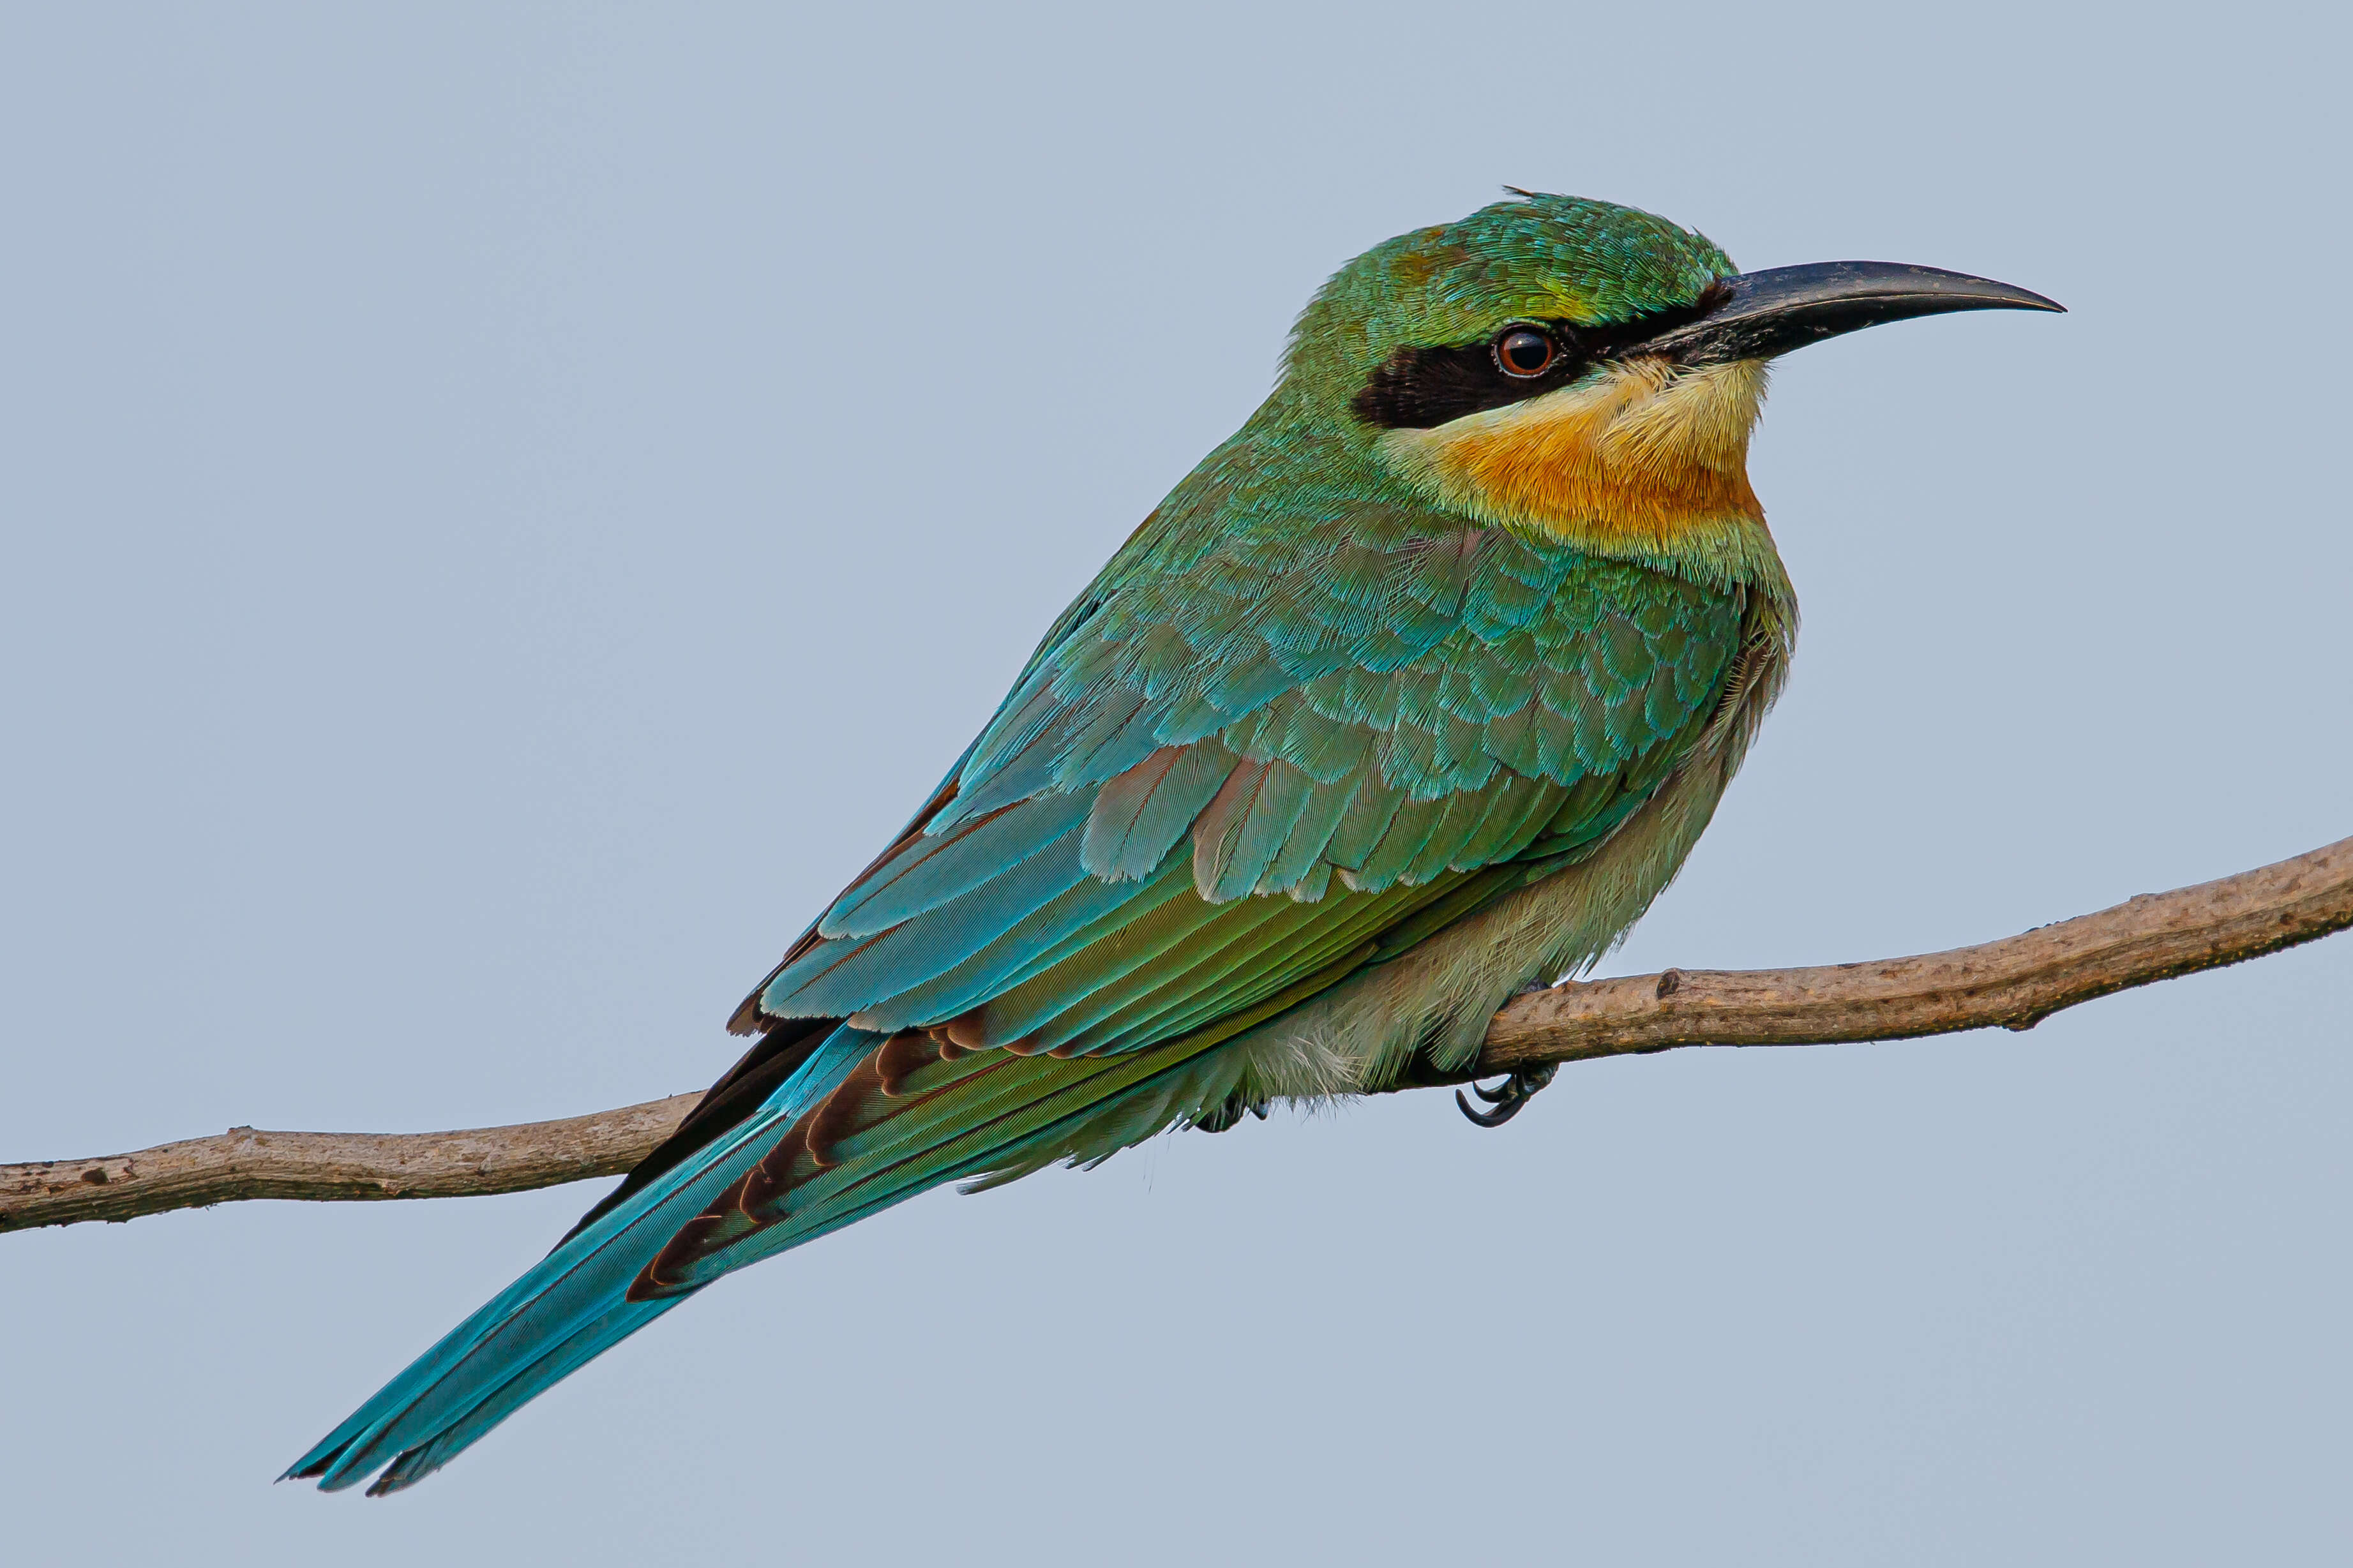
1582	369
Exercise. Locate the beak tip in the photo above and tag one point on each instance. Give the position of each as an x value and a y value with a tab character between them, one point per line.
2017	299
1993	295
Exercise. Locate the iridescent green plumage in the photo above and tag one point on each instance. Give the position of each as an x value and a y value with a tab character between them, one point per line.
1374	721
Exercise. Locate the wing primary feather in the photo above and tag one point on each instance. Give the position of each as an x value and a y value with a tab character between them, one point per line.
1104	1014
849	975
944	994
1091	980
932	870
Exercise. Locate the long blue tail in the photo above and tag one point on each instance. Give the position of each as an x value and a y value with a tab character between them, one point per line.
561	1314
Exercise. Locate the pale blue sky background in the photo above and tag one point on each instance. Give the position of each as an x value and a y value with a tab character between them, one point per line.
503	508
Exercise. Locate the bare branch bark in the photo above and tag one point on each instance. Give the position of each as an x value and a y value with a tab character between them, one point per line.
2014	982
335	1167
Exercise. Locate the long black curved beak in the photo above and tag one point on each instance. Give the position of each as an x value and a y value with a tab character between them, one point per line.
1760	314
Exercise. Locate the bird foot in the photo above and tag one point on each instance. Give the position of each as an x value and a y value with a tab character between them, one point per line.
1509	1096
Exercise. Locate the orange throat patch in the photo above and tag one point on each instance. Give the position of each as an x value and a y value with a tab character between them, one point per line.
1649	459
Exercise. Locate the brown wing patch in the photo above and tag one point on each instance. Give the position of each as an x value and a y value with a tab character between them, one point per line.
896	1078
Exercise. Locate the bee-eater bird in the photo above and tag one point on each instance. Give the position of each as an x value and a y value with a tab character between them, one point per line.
1412	695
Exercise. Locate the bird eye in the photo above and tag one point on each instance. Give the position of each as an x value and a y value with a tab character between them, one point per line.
1524	351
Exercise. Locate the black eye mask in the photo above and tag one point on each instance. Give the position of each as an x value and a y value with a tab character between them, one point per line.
1421	388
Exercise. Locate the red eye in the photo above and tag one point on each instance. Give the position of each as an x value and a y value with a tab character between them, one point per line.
1524	351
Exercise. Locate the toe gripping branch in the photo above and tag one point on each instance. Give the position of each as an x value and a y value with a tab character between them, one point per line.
1509	1096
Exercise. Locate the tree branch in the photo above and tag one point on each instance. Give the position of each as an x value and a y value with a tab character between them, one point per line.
330	1167
2015	983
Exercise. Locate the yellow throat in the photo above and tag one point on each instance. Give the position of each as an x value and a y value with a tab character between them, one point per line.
1648	460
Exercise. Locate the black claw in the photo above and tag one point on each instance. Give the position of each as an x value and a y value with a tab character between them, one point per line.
1507	1097
1502	1114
